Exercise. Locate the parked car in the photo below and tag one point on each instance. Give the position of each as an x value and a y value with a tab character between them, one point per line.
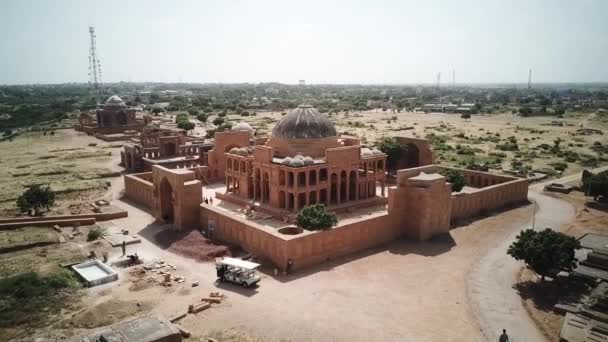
237	271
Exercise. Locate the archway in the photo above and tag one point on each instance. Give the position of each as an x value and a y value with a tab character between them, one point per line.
257	185
343	186
121	118
352	186
166	201
170	149
333	193
266	192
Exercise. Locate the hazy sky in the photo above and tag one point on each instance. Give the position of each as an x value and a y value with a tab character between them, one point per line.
379	41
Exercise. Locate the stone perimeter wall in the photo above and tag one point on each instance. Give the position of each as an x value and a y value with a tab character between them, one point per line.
493	191
139	188
304	249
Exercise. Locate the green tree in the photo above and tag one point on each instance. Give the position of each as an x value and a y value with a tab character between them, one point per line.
525	111
465	115
595	185
455	177
185	125
202	117
218	121
193	111
315	217
393	150
546	252
208	110
35	198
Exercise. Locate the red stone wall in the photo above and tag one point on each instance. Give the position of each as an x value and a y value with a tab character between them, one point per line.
489	198
139	189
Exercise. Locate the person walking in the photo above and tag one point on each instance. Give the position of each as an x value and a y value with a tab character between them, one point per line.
124	248
504	337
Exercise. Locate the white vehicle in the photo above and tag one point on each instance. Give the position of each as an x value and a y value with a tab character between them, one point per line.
237	271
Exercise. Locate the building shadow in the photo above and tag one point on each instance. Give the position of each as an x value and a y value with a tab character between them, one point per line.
236	288
139	206
433	247
162	235
486	214
601	205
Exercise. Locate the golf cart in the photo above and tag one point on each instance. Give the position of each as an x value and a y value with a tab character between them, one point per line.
237	271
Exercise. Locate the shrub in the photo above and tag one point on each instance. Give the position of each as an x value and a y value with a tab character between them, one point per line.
35	198
222	114
202	117
315	217
455	177
244	113
559	166
218	121
465	115
96	233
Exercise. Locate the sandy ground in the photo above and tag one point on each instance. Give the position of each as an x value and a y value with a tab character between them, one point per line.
402	291
79	172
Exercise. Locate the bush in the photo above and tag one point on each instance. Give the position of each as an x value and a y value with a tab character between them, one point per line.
202	117
244	113
315	217
393	150
96	233
208	110
35	198
455	177
465	116
185	125
507	147
559	166
218	121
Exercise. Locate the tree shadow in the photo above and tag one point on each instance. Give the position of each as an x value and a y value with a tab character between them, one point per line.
544	295
601	205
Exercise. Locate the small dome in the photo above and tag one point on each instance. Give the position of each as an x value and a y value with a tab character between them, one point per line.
243	152
297	162
115	101
376	151
308	160
287	161
304	122
366	152
242	126
151	127
298	156
233	150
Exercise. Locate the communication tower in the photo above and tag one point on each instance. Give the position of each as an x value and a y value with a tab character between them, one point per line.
95	83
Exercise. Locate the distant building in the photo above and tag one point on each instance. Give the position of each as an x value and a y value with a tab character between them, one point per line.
302	82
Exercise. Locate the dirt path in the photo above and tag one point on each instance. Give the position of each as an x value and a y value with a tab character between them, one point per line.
494	300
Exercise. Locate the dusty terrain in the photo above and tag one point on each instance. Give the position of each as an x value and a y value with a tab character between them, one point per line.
401	291
462	141
77	171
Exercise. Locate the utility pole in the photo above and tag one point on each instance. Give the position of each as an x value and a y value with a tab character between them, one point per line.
95	83
438	80
453	78
530	79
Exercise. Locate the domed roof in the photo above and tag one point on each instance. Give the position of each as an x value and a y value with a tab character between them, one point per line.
242	126
115	101
304	122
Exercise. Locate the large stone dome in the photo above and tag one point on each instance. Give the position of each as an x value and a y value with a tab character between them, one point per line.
304	122
115	101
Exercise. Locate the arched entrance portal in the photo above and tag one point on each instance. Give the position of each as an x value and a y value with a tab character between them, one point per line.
166	201
121	118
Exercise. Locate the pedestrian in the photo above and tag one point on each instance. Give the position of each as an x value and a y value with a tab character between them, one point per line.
124	248
289	263
504	337
211	200
206	201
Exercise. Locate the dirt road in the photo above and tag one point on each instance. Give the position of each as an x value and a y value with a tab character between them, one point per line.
494	300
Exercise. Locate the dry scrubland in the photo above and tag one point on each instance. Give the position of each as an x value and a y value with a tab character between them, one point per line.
81	173
502	141
76	170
